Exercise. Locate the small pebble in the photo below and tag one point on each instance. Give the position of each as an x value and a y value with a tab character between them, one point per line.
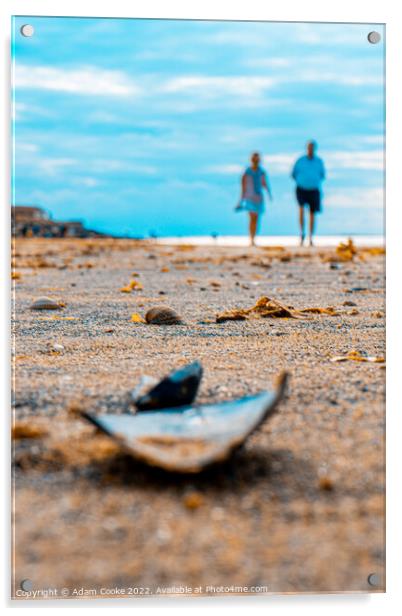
193	500
326	484
22	430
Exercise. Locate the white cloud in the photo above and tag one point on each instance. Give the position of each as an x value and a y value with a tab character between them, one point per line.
88	182
104	117
88	80
269	62
366	198
251	90
370	160
329	34
18	110
177	184
270	36
314	67
109	165
240	135
56	166
367	160
335	160
318	73
372	139
27	147
280	163
207	86
52	166
342	78
248	36
22	112
225	169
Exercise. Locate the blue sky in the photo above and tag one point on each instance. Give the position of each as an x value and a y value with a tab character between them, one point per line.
140	125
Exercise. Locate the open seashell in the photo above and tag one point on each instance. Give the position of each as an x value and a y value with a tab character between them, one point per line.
45	303
55	347
188	439
162	315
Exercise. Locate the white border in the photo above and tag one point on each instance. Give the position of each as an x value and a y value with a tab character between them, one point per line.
368	11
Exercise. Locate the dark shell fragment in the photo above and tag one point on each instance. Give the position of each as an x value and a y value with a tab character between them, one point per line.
177	389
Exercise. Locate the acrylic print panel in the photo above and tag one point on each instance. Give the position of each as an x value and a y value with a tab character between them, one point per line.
202	200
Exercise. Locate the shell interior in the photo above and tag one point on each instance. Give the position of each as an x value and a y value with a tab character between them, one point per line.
192	437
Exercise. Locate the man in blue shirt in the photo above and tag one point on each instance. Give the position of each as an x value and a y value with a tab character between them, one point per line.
308	172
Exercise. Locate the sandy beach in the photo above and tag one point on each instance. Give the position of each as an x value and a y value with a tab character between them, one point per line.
300	508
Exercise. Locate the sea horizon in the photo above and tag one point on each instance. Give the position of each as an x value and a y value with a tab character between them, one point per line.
272	240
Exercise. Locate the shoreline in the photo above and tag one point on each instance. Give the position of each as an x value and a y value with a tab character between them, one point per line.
323	241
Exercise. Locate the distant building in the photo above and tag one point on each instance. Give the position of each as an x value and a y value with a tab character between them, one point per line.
34	221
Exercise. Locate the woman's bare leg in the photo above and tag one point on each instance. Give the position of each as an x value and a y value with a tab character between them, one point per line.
253	227
301	221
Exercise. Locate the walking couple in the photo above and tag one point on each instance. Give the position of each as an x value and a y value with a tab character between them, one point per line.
308	173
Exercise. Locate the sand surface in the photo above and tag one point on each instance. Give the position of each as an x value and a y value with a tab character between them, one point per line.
299	508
